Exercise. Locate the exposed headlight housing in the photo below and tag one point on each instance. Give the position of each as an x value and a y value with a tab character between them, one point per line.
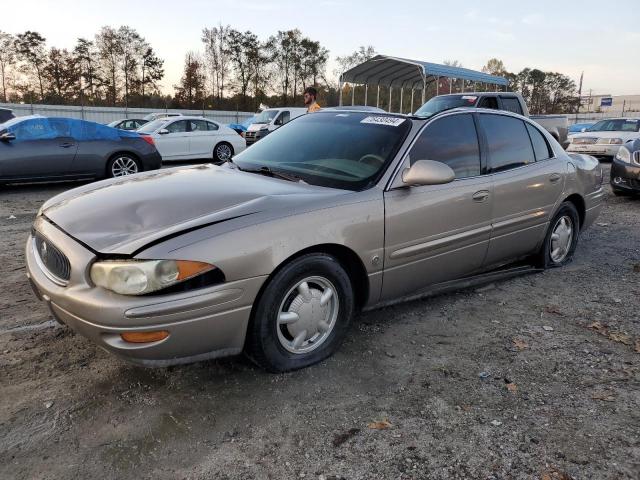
139	277
624	155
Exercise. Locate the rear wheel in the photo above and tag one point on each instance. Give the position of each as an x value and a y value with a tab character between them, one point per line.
123	164
302	315
222	152
561	239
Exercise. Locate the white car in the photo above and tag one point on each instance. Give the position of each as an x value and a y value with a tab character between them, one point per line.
193	138
604	139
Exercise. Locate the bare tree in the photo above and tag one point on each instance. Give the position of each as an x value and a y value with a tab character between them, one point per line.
7	59
30	47
110	53
132	48
241	46
216	48
86	58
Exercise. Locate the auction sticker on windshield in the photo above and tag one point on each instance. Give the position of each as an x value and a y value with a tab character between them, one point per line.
390	121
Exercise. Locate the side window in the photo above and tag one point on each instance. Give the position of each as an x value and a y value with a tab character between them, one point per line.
452	140
33	129
198	125
212	126
508	142
511	104
489	102
283	118
540	146
177	127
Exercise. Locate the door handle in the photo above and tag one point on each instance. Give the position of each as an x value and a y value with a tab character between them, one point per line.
480	196
555	177
66	145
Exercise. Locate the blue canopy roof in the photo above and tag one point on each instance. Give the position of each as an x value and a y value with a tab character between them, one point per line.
401	72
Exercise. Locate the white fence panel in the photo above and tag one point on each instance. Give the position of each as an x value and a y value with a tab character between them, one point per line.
109	114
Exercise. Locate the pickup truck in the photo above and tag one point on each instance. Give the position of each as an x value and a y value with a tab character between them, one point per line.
556	125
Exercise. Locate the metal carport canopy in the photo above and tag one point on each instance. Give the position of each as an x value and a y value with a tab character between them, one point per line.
389	71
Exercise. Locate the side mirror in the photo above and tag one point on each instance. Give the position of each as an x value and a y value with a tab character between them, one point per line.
428	172
278	121
163	131
583	129
7	137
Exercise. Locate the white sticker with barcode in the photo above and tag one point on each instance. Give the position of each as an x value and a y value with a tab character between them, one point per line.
390	121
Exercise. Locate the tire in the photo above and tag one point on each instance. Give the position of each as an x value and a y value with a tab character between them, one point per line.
123	164
273	336
548	256
222	152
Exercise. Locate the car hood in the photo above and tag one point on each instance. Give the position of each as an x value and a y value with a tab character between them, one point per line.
123	215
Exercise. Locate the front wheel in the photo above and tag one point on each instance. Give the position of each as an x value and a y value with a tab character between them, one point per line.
121	165
222	152
302	315
561	239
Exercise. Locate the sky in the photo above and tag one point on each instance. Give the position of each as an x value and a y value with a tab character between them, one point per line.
600	38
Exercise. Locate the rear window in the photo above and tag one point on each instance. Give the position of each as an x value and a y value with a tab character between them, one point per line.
511	104
446	102
540	146
508	141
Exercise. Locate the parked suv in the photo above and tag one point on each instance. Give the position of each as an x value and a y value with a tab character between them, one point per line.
6	114
269	120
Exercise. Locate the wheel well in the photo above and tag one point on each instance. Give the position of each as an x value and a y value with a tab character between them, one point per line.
347	258
131	154
578	202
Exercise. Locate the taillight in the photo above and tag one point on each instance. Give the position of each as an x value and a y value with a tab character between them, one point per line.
148	139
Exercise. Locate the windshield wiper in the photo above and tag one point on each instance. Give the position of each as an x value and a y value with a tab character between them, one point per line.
273	173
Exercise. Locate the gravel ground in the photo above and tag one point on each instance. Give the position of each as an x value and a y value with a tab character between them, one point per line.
532	377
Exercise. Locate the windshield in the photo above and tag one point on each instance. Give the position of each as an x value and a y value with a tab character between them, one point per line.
616	125
152	126
330	149
266	116
445	102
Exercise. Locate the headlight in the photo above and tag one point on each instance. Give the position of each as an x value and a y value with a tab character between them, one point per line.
132	277
610	141
624	155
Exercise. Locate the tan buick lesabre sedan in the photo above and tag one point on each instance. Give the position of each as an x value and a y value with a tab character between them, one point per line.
273	252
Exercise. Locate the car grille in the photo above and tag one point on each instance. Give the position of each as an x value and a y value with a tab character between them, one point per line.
53	262
250	137
585	140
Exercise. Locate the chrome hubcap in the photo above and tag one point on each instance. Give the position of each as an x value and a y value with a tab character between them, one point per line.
124	166
223	152
307	315
561	239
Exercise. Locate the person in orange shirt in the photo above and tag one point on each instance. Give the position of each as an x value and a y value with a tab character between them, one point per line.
310	94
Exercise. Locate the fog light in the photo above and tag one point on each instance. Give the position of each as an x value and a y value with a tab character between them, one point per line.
144	337
619	180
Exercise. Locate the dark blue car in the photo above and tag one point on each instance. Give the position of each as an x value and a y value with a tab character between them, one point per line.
39	148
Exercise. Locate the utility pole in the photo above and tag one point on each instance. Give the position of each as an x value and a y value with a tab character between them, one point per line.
579	96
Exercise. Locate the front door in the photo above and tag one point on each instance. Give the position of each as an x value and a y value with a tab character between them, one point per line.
435	233
175	144
42	148
527	183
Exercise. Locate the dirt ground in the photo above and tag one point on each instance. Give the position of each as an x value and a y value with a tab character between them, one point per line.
532	377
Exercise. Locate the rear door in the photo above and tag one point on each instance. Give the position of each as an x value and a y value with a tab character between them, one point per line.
526	179
202	138
435	233
43	147
175	144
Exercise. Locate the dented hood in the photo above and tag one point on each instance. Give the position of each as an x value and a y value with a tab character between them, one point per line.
122	216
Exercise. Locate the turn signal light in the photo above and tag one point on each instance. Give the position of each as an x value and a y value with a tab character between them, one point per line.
144	337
